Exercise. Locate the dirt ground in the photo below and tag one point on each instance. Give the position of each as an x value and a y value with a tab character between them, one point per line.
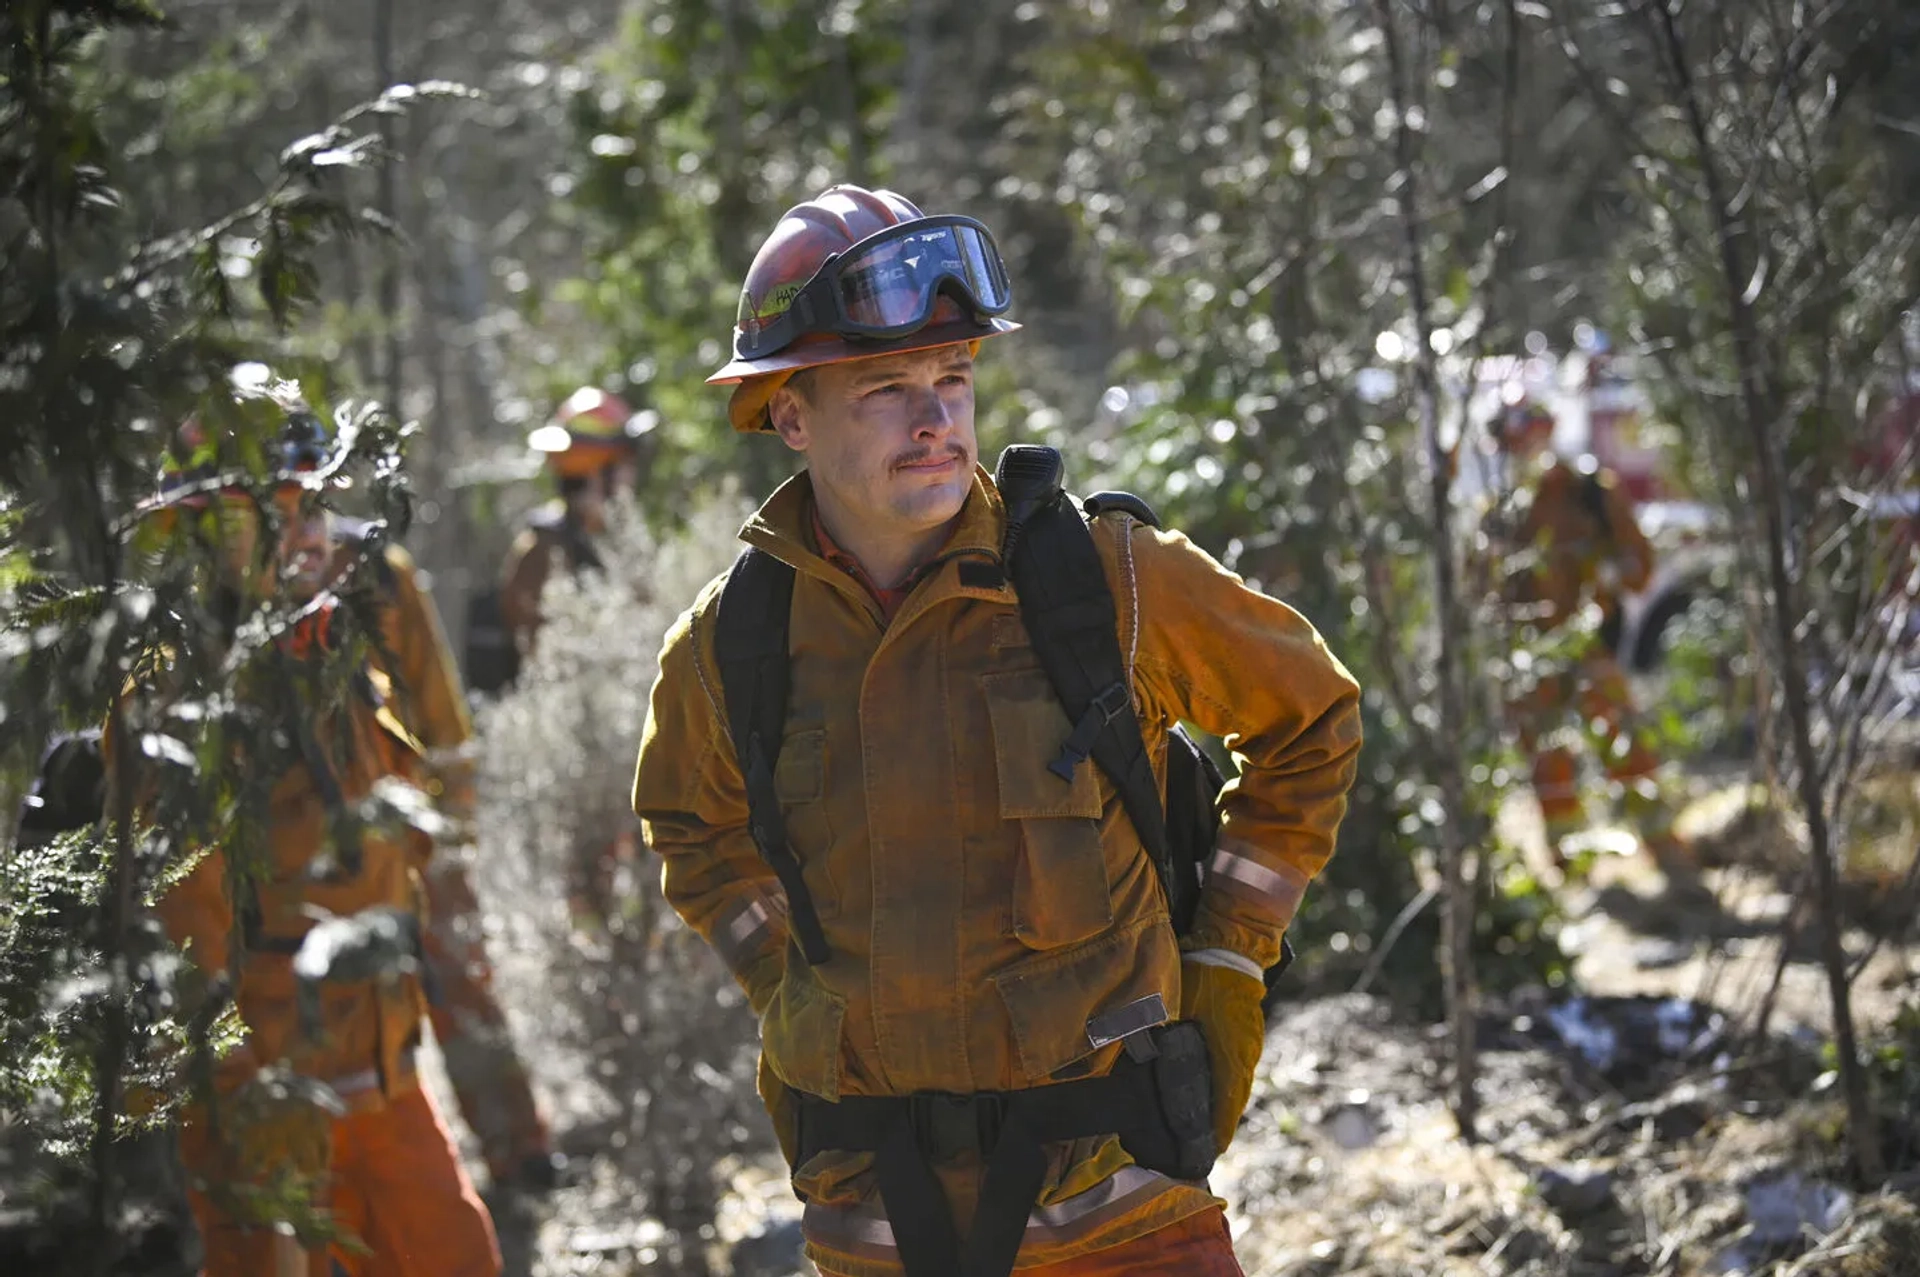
1679	1157
1683	1148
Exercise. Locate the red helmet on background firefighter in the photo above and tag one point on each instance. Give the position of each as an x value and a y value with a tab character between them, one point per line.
593	434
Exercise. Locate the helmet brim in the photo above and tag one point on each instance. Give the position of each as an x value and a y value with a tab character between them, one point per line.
838	350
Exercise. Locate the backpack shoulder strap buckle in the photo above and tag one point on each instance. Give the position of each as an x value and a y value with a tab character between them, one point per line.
1107	704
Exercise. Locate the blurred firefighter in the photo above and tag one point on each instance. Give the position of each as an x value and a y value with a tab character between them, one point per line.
489	1080
592	449
371	1147
1569	549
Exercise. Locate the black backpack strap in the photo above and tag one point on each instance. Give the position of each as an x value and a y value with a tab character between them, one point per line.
1068	609
1125	502
1593	499
582	554
750	642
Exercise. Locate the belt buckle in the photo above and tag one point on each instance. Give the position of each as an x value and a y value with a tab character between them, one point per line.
946	1124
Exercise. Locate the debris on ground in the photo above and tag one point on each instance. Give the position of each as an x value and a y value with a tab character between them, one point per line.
1574	1192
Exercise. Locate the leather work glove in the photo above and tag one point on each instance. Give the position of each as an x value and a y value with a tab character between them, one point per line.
1226	1004
780	1107
277	1125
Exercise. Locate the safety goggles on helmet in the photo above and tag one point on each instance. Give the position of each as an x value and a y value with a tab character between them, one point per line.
306	444
886	286
191	475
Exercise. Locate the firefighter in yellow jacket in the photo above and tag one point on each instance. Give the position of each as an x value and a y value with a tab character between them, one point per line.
592	448
385	1162
489	1080
1570	547
980	920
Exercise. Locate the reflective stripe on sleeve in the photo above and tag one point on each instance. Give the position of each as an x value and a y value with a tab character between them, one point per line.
740	933
1275	891
1118	1193
861	1231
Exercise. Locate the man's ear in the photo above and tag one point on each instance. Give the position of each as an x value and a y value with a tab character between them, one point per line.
789	416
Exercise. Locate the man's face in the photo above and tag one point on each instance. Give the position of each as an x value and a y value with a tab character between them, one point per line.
1532	437
889	440
305	551
302	554
590	501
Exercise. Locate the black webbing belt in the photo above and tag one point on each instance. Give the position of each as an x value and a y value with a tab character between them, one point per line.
908	1133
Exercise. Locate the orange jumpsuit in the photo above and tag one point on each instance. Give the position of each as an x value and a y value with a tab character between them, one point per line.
392	1175
489	1080
1561	557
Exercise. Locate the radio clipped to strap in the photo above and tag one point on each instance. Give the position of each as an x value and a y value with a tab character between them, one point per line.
1101	710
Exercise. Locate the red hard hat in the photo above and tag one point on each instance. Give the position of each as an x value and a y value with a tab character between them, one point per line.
1518	418
588	433
807	234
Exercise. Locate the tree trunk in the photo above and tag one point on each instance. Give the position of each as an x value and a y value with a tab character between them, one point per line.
1456	957
1759	407
908	143
389	285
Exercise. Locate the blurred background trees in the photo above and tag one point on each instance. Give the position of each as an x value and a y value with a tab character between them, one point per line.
1708	208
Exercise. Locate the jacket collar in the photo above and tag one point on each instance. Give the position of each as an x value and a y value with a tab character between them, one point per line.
780	527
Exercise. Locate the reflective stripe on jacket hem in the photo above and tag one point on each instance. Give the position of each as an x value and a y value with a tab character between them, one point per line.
863	1232
361	1090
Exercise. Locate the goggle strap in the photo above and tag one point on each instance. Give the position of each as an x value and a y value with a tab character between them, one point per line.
803	316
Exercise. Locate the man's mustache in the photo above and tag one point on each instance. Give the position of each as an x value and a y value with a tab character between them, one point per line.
919	456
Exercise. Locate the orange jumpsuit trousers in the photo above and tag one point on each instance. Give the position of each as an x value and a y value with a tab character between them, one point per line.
397	1186
1592	700
489	1079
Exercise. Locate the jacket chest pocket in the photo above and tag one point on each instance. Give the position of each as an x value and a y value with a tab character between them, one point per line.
799	779
1060	890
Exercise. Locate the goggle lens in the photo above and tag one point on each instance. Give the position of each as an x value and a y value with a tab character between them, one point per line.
896	281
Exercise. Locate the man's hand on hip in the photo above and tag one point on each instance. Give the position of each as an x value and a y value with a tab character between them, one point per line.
1226	1002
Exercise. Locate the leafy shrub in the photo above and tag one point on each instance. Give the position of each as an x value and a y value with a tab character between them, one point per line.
649	1040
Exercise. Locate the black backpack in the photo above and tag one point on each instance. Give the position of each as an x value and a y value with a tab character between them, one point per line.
493	659
1069	613
69	791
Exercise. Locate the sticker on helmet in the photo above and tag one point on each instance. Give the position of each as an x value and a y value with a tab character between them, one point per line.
773	304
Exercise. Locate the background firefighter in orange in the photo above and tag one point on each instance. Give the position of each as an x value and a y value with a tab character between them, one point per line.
592	449
1569	549
489	1080
381	1160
